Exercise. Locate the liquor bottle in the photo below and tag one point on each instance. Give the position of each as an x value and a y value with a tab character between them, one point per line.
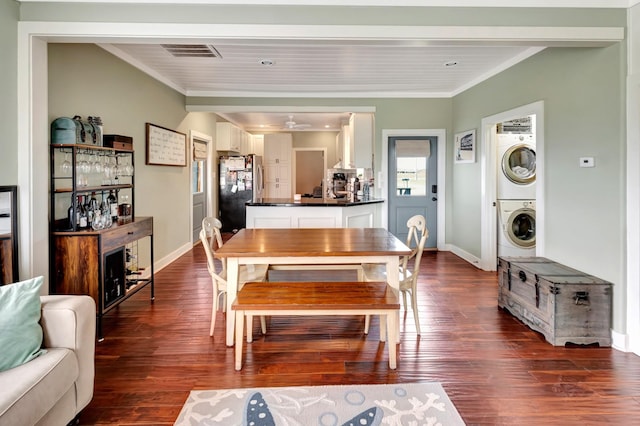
88	210
71	217
78	208
124	209
93	202
84	219
113	205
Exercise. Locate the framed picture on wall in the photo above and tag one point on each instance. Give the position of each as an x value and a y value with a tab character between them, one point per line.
165	147
465	147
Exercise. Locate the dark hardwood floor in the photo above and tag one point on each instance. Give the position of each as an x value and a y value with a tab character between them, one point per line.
494	369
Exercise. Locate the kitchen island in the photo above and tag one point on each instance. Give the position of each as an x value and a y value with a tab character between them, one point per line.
314	213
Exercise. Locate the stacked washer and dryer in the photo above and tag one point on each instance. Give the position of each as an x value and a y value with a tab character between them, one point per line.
517	188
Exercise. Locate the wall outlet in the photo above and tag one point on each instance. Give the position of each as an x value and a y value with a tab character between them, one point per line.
587	162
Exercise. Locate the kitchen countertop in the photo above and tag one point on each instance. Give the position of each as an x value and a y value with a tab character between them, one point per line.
311	202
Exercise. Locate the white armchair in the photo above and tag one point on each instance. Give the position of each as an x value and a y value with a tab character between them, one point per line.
54	387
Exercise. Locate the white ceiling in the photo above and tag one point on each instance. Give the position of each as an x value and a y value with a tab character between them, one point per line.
321	69
326	68
333	68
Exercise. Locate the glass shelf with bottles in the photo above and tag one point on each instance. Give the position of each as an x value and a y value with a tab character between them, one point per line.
91	187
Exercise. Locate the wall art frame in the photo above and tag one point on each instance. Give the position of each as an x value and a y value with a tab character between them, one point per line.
165	147
464	144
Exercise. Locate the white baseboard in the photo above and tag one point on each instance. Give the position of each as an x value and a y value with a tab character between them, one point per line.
475	261
620	341
165	261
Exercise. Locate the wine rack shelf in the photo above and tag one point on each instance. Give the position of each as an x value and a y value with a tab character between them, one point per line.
96	257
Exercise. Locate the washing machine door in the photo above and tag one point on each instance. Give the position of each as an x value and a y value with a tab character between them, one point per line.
521	227
519	164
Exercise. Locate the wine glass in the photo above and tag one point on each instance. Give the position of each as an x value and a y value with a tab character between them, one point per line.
97	163
65	167
110	168
128	168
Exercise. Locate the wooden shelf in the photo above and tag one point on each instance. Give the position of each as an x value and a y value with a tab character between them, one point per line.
85	189
84	260
89	147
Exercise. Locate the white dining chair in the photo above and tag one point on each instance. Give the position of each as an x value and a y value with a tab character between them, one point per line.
211	239
418	234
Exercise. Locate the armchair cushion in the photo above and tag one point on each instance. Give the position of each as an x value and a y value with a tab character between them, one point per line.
20	330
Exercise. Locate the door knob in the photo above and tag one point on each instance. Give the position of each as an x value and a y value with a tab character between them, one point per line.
434	199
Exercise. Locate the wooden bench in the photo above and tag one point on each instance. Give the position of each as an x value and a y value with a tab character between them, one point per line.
317	298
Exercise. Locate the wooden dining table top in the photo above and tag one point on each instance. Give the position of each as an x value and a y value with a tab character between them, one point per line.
312	242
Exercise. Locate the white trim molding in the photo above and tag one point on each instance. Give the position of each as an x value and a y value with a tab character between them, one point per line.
488	176
413	3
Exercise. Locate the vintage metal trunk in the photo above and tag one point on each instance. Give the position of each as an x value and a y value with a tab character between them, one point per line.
562	303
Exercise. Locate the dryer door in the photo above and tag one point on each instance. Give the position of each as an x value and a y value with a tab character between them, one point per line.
521	228
519	164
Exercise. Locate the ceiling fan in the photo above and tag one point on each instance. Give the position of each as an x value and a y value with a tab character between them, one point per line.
292	125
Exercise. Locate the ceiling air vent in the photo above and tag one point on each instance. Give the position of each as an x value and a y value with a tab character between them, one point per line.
192	50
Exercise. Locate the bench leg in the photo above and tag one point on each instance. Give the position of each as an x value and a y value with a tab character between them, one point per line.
263	324
392	328
383	328
249	328
239	338
367	323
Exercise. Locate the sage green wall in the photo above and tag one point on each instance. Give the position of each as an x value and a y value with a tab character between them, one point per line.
583	93
9	92
86	80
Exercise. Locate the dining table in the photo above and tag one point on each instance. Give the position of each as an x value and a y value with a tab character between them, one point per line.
307	246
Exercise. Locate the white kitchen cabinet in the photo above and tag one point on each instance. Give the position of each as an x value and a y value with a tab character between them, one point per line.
277	148
277	165
256	143
359	147
342	144
301	216
228	137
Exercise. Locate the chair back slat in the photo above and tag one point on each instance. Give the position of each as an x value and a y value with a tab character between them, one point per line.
211	227
416	238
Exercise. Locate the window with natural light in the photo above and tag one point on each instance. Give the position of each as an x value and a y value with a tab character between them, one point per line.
411	167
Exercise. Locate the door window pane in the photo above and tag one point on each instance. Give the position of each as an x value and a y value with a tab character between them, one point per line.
197	174
411	167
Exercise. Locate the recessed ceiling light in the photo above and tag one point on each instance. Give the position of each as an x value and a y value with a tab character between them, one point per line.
451	64
327	126
267	62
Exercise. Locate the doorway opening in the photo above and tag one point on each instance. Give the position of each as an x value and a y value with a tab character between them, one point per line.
489	181
309	166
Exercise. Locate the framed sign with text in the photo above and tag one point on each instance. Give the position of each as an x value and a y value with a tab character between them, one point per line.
165	147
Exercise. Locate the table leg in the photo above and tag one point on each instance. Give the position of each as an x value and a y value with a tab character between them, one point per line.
233	272
239	335
392	326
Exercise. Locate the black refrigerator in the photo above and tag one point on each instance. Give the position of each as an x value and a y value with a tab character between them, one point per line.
240	179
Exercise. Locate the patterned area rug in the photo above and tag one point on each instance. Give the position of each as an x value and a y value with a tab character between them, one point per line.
357	405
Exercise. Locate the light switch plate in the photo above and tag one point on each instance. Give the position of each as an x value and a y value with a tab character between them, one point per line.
587	162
